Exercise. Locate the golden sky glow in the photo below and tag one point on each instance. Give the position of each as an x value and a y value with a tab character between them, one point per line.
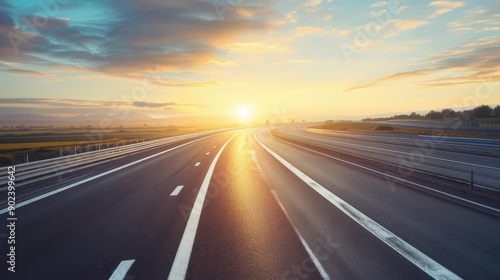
304	59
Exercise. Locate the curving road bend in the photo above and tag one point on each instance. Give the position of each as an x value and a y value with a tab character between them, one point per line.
419	153
243	205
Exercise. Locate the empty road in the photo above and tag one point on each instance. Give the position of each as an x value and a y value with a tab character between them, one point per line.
243	204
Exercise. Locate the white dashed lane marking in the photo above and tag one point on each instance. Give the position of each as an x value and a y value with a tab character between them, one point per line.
177	190
181	260
422	261
121	270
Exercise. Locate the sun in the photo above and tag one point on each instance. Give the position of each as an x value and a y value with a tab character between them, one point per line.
244	113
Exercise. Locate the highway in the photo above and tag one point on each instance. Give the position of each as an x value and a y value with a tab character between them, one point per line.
452	125
243	204
446	158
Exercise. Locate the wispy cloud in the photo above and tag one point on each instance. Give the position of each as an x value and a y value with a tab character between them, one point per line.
290	17
476	20
312	3
25	72
163	105
79	107
379	4
479	59
362	86
401	24
307	30
51	24
311	6
259	48
153	105
445	7
183	84
315	30
75	103
70	103
340	32
398	76
295	61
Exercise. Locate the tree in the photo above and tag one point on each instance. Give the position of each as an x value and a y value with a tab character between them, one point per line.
448	113
481	112
434	115
414	115
496	112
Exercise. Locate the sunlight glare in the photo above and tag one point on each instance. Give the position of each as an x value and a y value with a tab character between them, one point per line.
245	113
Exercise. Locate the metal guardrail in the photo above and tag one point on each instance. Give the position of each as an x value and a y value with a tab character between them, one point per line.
322	146
26	171
453	122
495	142
481	145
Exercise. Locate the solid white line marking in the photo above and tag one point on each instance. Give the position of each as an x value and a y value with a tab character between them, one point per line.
177	190
315	260
21	204
197	164
181	261
121	270
412	154
403	180
422	261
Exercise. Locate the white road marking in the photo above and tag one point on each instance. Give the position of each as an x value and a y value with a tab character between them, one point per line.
258	165
215	146
422	261
197	164
208	153
254	158
412	154
121	270
181	261
177	190
21	204
315	260
403	180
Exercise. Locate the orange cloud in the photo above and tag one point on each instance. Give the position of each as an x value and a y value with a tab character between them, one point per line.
25	72
392	77
479	59
259	47
445	7
408	24
306	30
312	3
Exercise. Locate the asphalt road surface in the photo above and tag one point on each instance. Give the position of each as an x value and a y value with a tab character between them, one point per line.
244	205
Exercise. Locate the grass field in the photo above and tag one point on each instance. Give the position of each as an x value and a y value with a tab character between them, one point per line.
34	145
45	143
91	135
383	128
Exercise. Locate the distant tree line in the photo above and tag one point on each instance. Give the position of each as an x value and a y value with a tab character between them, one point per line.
480	112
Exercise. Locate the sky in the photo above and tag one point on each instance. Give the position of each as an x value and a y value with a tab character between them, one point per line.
251	59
